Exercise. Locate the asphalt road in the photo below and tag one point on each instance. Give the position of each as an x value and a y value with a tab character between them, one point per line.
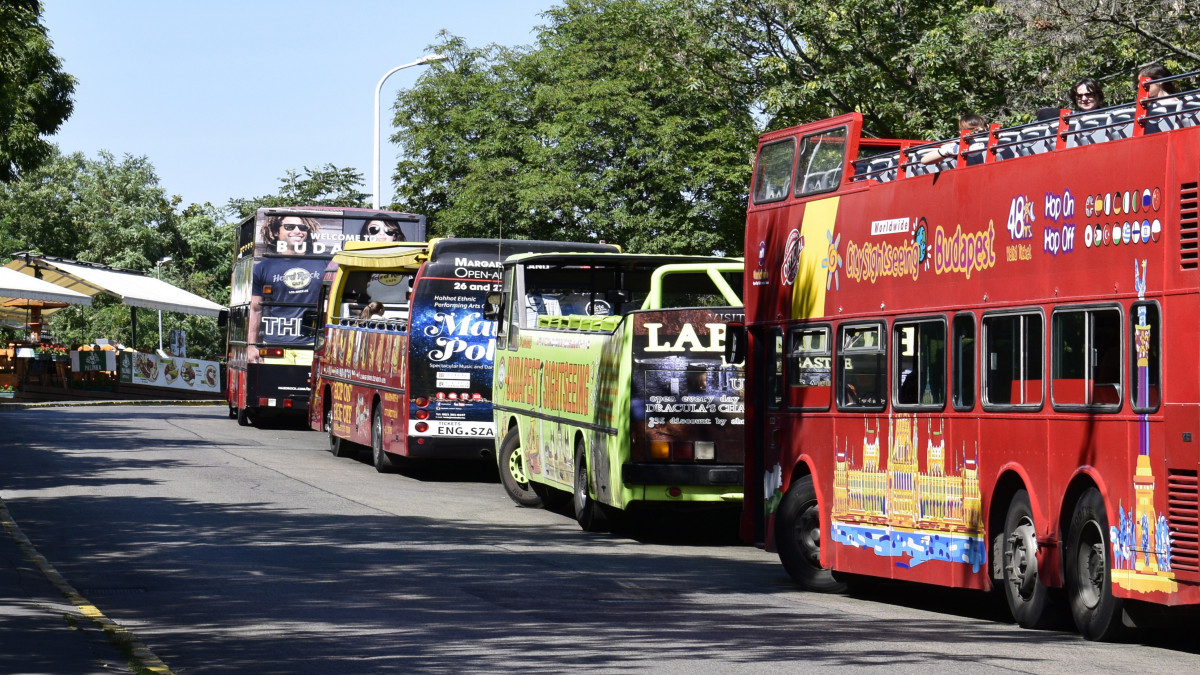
228	549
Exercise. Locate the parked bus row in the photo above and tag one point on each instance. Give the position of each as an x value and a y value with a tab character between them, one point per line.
980	376
607	367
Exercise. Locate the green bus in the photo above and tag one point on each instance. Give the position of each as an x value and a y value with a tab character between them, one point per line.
610	383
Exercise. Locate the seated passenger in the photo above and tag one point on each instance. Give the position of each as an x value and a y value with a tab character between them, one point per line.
1085	95
970	123
1158	90
1159	97
372	310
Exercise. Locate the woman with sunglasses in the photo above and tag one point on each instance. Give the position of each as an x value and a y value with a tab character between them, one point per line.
1086	95
376	229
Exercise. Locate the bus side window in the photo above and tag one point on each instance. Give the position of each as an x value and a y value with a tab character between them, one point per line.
810	376
1145	357
862	368
919	349
964	361
1012	353
1086	357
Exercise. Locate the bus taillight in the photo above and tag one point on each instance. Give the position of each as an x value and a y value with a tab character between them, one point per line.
421	427
660	450
422	414
706	451
421	401
271	352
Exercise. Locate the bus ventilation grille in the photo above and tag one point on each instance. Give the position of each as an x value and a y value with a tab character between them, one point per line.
1189	227
1183	512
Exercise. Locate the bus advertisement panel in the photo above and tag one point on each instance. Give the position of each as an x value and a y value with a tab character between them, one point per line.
279	261
415	380
611	385
456	344
682	387
974	374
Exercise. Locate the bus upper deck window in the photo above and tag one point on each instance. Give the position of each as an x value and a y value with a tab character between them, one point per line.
822	160
773	173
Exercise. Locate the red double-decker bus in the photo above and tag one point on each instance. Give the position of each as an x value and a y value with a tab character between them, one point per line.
981	373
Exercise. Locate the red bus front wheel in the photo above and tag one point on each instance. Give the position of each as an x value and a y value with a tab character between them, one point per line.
798	538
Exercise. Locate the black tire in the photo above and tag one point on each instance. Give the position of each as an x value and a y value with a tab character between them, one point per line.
1029	599
340	447
1088	571
588	512
798	538
512	471
243	417
383	461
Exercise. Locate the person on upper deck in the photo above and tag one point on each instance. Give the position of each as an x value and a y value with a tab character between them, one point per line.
1160	98
970	123
1157	71
1086	95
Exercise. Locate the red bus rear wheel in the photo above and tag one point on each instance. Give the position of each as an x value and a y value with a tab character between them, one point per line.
1088	571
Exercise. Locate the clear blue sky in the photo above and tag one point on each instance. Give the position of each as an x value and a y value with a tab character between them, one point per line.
224	96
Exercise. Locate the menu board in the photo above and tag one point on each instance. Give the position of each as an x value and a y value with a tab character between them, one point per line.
171	372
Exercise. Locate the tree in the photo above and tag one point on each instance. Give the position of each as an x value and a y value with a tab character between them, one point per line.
596	133
912	68
326	185
35	93
115	212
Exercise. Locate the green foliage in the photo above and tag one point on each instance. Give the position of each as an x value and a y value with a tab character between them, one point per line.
912	68
115	212
327	185
598	133
35	94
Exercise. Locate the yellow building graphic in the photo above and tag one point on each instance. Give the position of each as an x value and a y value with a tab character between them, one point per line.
898	509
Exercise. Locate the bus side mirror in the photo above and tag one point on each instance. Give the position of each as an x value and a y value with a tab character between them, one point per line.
491	310
735	344
222	318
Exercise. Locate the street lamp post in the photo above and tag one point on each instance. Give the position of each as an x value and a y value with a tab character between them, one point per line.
158	273
428	58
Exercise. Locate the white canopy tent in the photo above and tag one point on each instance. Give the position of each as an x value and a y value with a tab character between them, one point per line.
133	288
84	280
15	285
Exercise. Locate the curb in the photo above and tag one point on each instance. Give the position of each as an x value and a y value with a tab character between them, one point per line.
75	404
141	659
